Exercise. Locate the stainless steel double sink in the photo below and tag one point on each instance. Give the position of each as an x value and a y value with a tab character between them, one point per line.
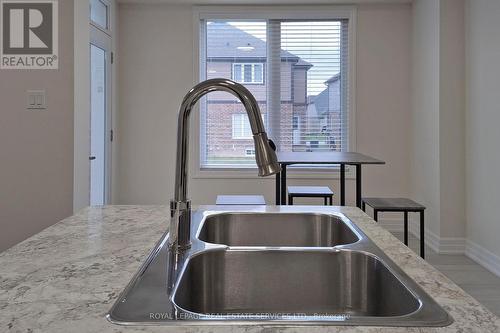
274	266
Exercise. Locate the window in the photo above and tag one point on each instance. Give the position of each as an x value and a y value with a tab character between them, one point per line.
241	127
295	122
99	13
304	97
250	152
248	73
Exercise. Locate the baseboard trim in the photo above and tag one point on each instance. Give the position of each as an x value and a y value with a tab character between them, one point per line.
441	245
484	257
447	245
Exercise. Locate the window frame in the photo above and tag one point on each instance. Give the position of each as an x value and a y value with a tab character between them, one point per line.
242	72
315	12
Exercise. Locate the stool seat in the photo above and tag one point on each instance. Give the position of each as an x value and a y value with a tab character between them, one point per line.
393	204
404	205
310	190
240	200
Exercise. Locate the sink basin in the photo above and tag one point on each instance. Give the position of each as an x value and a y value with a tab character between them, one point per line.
274	266
266	229
295	283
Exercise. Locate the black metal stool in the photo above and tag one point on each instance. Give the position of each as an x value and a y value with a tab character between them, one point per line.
310	192
398	205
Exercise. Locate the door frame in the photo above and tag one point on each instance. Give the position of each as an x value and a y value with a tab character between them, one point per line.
100	38
81	121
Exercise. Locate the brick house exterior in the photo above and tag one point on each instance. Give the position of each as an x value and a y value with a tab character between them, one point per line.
229	49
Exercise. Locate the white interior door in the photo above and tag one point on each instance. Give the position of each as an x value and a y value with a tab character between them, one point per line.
100	117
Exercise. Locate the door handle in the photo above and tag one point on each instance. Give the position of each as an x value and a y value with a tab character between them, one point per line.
91	158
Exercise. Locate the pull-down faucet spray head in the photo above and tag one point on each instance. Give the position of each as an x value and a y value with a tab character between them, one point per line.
265	157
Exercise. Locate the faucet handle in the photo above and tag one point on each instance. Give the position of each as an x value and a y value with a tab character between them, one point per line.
272	144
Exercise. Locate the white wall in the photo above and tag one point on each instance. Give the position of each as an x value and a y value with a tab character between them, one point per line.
383	112
81	141
482	131
425	115
36	147
155	48
452	118
156	70
438	144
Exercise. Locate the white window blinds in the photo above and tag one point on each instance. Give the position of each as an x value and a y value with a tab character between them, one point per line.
296	69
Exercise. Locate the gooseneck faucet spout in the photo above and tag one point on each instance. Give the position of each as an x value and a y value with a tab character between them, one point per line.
180	206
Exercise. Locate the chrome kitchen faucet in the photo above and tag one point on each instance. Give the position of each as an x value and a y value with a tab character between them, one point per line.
267	163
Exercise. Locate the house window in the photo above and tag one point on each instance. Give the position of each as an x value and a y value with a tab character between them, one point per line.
304	95
250	152
241	127
295	122
248	73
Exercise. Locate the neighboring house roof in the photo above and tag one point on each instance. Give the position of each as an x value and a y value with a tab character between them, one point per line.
227	41
322	100
333	78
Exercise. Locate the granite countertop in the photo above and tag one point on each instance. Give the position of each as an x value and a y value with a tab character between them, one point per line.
67	277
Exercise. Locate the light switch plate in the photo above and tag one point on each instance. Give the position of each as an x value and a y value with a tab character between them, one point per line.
36	100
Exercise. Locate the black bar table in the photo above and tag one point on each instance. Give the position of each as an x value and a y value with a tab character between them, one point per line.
334	158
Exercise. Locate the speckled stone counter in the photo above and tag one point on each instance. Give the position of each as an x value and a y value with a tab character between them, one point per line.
66	278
